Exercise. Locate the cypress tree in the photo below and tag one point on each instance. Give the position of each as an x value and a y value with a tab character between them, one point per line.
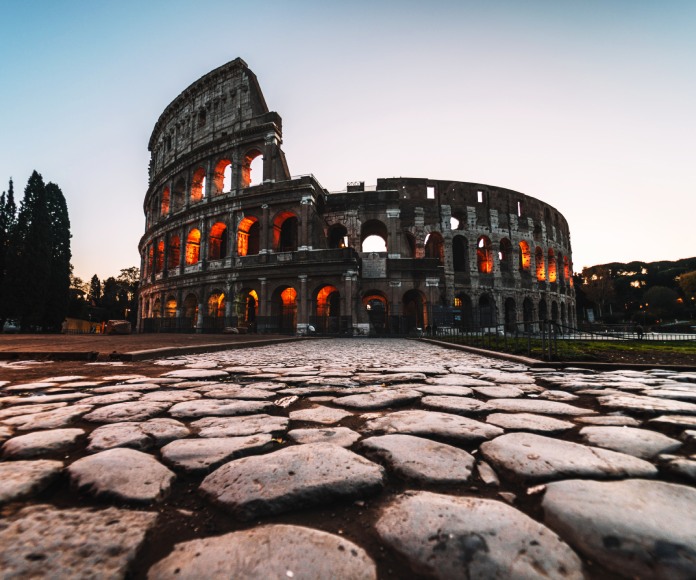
8	217
58	286
95	293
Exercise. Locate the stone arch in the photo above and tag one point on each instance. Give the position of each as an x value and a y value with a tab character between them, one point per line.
157	308
377	307
166	199
552	265
198	185
486	307
250	173
539	264
505	255
374	229
246	306
564	315
284	309
415	309
285	225
484	255
248	236
525	257
435	246
466	310
554	311
193	247
528	314
179	194
216	304
338	236
222	178
543	310
170	307
174	252
217	241
460	254
510	315
327	308
190	309
159	257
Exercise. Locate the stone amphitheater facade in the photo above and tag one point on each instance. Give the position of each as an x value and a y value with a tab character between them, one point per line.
233	240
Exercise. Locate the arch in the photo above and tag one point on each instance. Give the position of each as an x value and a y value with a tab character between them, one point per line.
248	236
222	178
415	309
466	310
484	255
460	251
543	311
157	308
164	205
410	240
566	269
170	307
510	315
554	311
505	255
327	309
525	257
377	308
193	247
251	169
217	242
528	314
174	252
487	316
198	185
373	229
435	246
284	309
285	232
539	264
246	307
191	308
216	304
159	257
552	265
454	223
179	194
338	236
150	258
564	316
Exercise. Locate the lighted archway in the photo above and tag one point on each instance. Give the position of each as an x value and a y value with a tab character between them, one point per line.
174	252
159	258
193	247
216	304
246	307
191	309
566	269
285	232
150	258
284	309
377	308
198	185
222	178
170	307
248	236
164	205
252	169
552	265
484	255
525	257
327	309
217	244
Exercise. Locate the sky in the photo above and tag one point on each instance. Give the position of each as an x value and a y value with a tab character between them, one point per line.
589	106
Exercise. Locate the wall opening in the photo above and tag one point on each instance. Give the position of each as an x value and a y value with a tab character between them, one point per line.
252	169
484	255
248	236
217	244
460	249
435	247
338	236
198	185
540	265
193	247
285	232
525	257
174	252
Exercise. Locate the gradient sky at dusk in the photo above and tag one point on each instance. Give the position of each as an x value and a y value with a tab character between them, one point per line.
589	106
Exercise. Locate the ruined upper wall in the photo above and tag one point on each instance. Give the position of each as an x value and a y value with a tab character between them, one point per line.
221	104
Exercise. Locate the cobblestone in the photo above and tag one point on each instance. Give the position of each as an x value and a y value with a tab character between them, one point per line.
319	418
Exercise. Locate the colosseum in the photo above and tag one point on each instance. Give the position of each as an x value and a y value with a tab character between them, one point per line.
232	240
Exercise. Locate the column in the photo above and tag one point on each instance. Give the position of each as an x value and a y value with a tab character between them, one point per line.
304	241
265	226
394	241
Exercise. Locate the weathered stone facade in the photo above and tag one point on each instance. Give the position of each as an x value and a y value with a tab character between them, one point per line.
221	250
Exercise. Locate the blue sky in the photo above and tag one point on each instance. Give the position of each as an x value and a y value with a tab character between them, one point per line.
586	105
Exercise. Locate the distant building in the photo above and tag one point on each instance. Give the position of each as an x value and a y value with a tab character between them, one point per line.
225	247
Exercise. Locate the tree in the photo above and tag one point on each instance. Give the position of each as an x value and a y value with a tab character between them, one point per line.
8	218
598	286
687	282
95	294
661	301
58	284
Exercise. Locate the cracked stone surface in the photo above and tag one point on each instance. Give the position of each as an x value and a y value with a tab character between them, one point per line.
485	436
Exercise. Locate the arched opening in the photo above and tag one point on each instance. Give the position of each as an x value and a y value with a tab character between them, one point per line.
373	236
375	304
191	309
466	310
487	317
222	179
174	252
252	169
414	309
157	308
537	233
543	312
566	269
554	311
179	194
454	223
484	255
217	244
410	240
338	236
552	266
528	314
170	307
216	304
159	259
327	309
525	257
460	249
150	258
505	255
198	185
246	308
285	232
510	315
564	317
248	236
539	263
435	247
164	206
284	309
193	247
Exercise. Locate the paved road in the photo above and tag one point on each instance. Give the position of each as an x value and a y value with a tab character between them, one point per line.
349	458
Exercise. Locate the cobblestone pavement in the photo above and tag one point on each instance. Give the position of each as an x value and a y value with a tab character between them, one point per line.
347	459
